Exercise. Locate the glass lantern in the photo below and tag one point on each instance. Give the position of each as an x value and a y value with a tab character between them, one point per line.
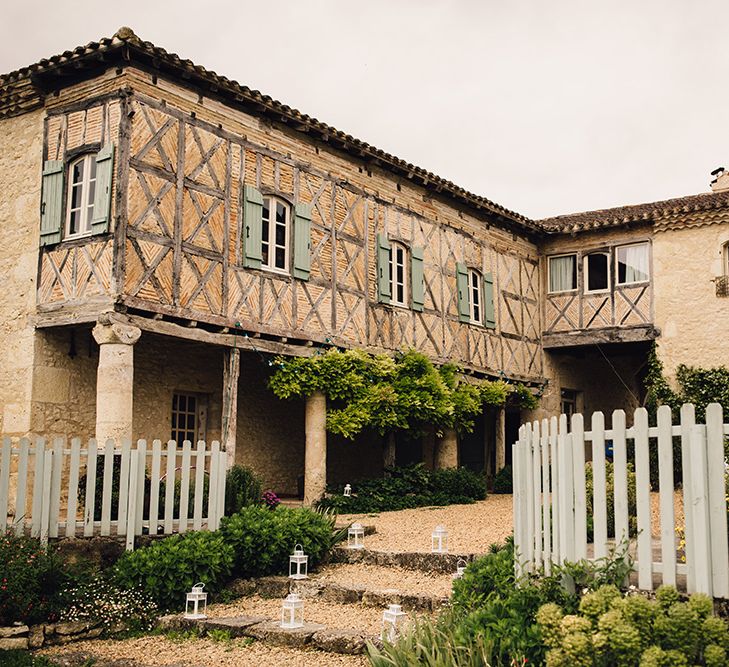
347	490
355	536
298	563
292	612
193	601
392	620
461	566
439	543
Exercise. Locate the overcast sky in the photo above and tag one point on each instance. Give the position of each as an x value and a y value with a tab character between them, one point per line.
545	107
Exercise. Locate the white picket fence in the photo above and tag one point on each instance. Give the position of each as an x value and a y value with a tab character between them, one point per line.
550	509
47	502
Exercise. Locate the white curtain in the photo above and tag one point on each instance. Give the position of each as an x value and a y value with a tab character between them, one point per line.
635	259
561	273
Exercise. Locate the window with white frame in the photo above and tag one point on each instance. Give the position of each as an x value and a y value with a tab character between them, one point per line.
597	272
725	259
475	288
275	234
562	273
398	274
81	189
189	412
632	264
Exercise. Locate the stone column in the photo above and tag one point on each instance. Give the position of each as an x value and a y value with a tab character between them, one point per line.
315	458
500	438
115	381
446	451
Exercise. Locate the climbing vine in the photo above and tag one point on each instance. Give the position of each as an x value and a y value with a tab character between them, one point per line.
384	394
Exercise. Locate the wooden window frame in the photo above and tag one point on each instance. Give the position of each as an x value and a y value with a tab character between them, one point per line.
475	287
586	272
549	273
396	246
270	226
616	251
87	210
200	416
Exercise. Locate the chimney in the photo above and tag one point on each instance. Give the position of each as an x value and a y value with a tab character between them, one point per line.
721	180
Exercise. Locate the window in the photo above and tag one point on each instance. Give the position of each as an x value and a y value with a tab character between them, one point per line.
398	273
725	259
275	243
81	189
597	272
568	402
562	273
475	288
632	264
189	413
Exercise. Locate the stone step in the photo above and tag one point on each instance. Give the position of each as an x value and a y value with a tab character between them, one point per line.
423	561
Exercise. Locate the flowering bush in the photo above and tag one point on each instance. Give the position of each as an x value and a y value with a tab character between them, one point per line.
31	580
270	500
115	609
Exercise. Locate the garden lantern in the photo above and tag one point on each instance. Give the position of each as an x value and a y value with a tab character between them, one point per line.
298	563
292	613
460	568
347	490
439	540
392	620
355	536
192	603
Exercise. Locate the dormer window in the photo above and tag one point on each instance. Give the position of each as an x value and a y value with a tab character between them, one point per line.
81	191
275	236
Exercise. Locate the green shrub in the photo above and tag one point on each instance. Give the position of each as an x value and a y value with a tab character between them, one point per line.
242	488
610	629
408	487
17	658
262	540
610	498
31	581
106	604
504	480
168	568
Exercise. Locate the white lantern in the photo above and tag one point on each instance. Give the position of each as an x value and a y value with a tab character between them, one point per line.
461	566
355	536
439	540
292	613
298	563
347	490
192	603
392	620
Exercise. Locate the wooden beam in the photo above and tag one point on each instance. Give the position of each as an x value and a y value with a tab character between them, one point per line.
600	336
231	372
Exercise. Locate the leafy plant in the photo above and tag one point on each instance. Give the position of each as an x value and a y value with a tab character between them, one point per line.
16	658
504	480
610	629
407	487
262	541
31	581
242	488
168	568
114	608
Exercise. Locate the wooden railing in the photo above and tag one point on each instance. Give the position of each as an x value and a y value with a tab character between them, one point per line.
550	503
51	488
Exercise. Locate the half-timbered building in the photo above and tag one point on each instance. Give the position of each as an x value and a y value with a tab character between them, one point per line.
166	230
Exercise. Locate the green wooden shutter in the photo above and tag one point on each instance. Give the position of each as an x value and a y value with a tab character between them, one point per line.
102	191
464	307
252	223
302	241
488	301
51	202
416	278
383	269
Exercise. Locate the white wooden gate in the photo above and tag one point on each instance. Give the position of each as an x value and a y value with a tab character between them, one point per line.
160	489
550	504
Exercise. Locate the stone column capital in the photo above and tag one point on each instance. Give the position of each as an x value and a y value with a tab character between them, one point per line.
115	332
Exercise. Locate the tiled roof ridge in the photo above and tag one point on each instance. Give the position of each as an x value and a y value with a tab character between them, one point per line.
127	37
645	212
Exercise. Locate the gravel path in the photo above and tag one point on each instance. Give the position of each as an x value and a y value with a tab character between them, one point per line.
471	528
158	651
375	578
